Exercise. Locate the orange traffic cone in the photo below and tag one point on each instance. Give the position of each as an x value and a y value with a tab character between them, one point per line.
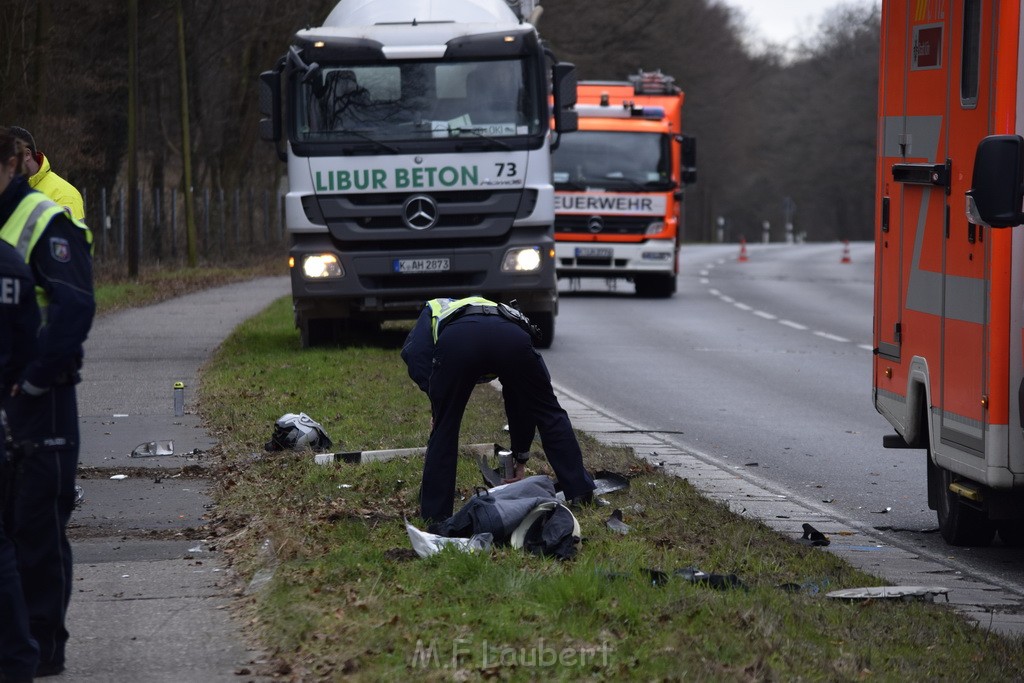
743	249
846	252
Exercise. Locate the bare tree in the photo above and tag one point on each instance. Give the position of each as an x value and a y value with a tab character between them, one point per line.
772	130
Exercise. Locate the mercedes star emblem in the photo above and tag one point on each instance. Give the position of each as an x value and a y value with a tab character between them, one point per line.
420	212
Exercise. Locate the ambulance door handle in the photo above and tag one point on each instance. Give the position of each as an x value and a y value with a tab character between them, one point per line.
885	214
937	175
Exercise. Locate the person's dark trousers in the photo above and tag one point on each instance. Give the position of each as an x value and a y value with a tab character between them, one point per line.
530	403
19	654
472	347
38	511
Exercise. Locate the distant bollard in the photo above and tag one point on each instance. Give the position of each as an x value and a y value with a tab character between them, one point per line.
179	399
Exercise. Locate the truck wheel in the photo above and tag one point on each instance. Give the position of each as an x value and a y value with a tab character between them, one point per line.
655	286
545	321
316	332
959	522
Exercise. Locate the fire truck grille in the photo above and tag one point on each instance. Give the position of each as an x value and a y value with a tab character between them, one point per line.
609	225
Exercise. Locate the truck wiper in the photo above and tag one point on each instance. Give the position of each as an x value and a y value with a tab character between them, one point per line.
629	182
364	136
460	131
571	185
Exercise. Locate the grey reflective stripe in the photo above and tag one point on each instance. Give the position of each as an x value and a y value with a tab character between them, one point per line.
905	130
29	229
964	296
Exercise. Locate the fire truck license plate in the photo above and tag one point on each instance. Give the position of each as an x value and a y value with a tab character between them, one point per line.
593	252
421	265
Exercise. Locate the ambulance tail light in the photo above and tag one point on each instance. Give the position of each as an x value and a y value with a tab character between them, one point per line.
997	186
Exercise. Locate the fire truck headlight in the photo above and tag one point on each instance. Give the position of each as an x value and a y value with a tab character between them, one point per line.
525	260
654	227
322	267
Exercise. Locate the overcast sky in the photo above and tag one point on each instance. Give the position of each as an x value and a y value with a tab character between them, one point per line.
781	21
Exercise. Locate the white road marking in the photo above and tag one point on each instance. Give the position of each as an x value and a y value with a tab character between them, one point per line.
831	337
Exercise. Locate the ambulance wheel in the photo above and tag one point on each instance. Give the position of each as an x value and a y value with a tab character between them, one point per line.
655	286
959	522
1011	532
545	322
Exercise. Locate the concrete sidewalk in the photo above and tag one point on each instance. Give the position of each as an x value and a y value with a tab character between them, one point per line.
150	594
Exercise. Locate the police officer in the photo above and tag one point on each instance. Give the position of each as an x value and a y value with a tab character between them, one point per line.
41	411
43	178
456	344
19	321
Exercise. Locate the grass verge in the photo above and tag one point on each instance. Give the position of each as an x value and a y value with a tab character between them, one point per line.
338	594
115	290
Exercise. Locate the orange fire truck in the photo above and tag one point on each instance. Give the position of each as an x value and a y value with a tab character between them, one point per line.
949	261
619	183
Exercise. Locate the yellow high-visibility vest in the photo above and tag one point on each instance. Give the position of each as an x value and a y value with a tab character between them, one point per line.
440	309
26	225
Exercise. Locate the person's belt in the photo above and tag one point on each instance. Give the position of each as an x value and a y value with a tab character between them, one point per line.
474	309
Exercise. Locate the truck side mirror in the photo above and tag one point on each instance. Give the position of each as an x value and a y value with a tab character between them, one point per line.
689	160
997	186
270	106
563	81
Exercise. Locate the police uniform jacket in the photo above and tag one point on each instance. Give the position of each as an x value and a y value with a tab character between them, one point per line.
57	249
19	317
418	350
58	189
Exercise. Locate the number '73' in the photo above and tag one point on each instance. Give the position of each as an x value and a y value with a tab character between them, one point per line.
507	170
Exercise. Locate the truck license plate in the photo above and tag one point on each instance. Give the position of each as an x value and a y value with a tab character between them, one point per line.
421	265
593	252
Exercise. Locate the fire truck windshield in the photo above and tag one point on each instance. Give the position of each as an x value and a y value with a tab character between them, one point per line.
613	160
419	100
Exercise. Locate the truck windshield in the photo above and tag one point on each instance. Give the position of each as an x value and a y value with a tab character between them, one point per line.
613	160
420	100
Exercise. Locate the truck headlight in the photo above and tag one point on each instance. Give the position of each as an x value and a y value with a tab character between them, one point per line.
522	260
654	227
322	266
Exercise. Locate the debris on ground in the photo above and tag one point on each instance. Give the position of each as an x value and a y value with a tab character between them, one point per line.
426	544
717	581
615	523
814	537
903	593
153	448
609	482
297	431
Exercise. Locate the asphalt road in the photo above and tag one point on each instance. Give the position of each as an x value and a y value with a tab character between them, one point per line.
764	366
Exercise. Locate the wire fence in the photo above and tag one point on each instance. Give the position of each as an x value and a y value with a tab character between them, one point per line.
231	225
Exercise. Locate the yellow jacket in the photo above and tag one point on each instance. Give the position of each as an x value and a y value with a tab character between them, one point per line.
58	189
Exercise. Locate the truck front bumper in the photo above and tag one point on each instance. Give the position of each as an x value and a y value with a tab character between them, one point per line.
611	259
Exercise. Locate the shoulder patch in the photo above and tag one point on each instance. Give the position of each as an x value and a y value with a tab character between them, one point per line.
60	250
